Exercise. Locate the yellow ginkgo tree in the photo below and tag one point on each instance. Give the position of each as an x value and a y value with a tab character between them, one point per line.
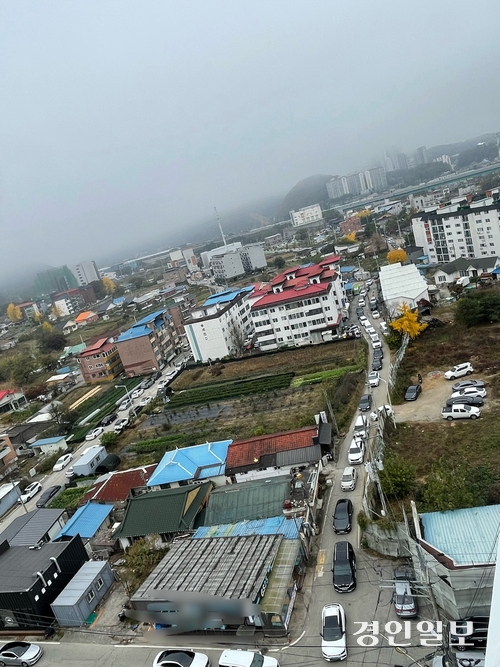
407	322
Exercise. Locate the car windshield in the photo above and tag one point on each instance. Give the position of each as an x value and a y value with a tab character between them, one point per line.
258	660
19	650
342	569
406	599
332	631
355	450
347	478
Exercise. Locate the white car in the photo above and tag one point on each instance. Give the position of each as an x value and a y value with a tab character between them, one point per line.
137	393
375	314
240	658
373	379
376	344
383	327
363	320
349	478
181	658
361	303
62	462
470	391
30	492
356	453
370	330
95	433
120	425
145	401
162	384
124	405
459	371
333	631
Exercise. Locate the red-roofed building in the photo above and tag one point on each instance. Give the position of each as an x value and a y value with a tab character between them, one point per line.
276	454
118	486
12	400
100	362
300	306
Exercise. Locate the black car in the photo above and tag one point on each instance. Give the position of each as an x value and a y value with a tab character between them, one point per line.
155	376
477	401
342	517
360	311
378	353
365	402
47	495
109	419
476	639
413	392
377	364
344	568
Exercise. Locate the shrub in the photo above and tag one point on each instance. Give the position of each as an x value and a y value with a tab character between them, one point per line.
398	476
69	498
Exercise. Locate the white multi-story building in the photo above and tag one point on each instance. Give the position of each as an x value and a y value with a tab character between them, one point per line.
302	305
337	187
208	254
376	180
85	273
306	215
459	230
184	256
237	262
220	328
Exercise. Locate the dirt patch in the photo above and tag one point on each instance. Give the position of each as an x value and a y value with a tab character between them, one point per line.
435	391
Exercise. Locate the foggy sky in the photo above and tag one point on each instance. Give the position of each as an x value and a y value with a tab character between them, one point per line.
125	121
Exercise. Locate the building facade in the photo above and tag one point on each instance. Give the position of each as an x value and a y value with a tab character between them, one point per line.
376	180
237	262
100	362
300	306
220	250
336	188
148	345
54	280
459	230
85	273
306	215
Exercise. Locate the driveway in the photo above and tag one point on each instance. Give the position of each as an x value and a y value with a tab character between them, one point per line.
435	391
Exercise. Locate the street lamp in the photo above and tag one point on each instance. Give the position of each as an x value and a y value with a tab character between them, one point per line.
122	386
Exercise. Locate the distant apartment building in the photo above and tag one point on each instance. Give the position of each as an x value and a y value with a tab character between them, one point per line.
148	345
177	274
72	301
302	305
337	188
54	280
184	257
219	328
85	273
100	362
356	183
306	215
376	180
459	230
421	156
208	254
30	309
274	239
238	262
359	182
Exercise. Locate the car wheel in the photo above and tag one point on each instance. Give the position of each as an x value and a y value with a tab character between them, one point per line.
452	377
24	664
473	416
450	418
2	663
468	372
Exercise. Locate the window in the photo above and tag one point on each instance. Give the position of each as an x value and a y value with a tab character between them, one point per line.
90	596
99	583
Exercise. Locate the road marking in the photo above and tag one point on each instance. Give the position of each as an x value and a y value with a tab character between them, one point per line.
320	562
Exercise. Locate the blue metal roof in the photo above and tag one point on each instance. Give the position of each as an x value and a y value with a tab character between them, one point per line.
134	332
226	296
48	441
86	521
468	536
497	270
276	525
199	461
149	318
349	286
347	269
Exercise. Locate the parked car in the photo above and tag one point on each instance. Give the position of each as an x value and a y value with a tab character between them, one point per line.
477	401
156	375
361	302
62	462
181	658
465	384
30	492
333	632
365	402
342	516
147	383
384	328
145	401
413	392
121	424
360	311
378	354
377	363
109	419
20	653
469	633
460	411
459	371
405	605
373	379
371	330
240	658
95	433
470	391
125	405
137	393
162	384
375	314
361	427
344	567
364	320
356	453
349	479
47	495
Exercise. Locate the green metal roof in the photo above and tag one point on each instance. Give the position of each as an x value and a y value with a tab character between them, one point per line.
167	511
259	499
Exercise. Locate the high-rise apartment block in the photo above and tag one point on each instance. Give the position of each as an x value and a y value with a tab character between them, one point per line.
54	280
358	183
306	215
421	156
85	273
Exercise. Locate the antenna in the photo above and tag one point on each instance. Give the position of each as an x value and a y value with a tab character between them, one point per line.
220	227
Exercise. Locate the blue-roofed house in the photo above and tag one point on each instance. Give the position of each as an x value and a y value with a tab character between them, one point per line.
460	548
149	344
192	464
50	445
276	525
220	327
93	523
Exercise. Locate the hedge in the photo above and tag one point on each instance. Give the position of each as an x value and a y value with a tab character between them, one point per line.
159	444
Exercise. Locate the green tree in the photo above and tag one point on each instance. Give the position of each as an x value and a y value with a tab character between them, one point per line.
23	368
448	487
279	262
398	476
50	341
109	439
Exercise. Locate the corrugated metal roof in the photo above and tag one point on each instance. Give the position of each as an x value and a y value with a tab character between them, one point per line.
280	577
134	332
226	296
77	586
259	499
276	525
28	529
398	281
149	318
86	521
197	462
248	452
468	536
298	456
48	441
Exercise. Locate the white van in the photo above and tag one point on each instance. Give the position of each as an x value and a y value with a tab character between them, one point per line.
240	658
361	426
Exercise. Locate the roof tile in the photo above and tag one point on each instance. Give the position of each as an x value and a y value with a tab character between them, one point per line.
246	452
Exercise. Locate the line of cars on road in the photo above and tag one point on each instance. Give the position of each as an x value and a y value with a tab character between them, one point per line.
229	658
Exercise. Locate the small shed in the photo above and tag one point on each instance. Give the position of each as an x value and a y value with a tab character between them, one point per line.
82	594
50	445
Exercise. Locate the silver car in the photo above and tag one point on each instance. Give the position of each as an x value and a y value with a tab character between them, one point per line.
20	653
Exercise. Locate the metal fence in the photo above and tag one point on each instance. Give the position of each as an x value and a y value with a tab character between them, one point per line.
393	370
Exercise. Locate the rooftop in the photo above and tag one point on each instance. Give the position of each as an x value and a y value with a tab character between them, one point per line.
226	296
276	525
48	441
397	281
191	463
468	536
116	486
85	521
463	263
73	591
28	529
84	316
